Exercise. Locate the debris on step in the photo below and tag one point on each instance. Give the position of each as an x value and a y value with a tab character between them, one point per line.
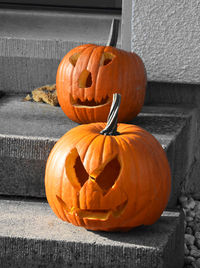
47	94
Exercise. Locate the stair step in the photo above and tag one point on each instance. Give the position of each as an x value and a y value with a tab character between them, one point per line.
32	236
29	130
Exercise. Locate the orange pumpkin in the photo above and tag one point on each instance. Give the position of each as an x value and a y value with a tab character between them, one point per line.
103	178
88	76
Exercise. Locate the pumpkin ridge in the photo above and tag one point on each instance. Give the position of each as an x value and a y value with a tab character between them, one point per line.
83	112
127	129
86	67
149	174
62	208
111	141
90	155
81	154
61	181
79	116
97	76
94	76
139	211
72	91
102	149
79	147
54	206
121	139
156	158
159	156
60	90
49	186
62	70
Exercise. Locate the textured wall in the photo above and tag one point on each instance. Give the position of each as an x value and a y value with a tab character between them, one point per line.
166	34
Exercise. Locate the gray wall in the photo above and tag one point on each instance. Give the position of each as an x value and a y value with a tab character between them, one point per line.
166	34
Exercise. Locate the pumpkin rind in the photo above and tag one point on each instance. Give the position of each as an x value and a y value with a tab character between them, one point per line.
124	73
139	194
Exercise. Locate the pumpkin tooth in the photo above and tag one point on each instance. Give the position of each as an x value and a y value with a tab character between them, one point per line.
73	100
90	102
90	98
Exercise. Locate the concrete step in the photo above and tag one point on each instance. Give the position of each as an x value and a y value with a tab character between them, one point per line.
32	236
33	42
29	130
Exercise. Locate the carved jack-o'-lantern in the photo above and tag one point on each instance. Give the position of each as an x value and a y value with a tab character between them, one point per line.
88	76
103	178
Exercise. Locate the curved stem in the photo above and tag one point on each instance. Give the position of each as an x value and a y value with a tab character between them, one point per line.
113	35
111	127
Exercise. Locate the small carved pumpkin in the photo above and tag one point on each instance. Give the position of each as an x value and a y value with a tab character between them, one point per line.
103	178
88	76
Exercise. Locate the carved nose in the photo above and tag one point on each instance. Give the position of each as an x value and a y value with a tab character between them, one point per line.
85	79
108	176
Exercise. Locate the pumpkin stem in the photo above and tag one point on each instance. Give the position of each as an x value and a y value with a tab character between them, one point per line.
111	127
113	35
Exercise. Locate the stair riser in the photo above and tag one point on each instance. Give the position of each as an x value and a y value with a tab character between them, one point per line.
16	76
18	252
31	235
22	177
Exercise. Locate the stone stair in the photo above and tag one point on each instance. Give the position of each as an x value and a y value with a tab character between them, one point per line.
31	236
31	232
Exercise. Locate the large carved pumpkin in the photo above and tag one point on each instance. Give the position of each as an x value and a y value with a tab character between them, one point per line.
107	179
88	76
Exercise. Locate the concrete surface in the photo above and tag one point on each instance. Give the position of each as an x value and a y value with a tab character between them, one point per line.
29	131
166	34
32	236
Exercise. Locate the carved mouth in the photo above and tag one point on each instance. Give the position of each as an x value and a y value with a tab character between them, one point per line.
94	214
89	103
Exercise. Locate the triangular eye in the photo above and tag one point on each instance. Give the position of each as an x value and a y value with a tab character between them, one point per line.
75	170
73	59
107	178
81	173
106	58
